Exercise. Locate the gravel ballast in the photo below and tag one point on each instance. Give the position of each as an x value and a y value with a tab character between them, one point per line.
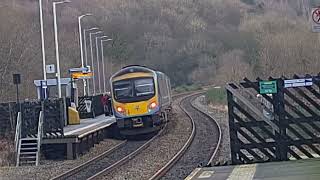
49	168
160	151
202	147
220	114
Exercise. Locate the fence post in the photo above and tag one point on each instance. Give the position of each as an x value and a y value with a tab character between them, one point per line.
234	145
279	110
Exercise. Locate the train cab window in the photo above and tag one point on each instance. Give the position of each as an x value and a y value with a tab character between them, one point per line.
123	90
144	87
133	90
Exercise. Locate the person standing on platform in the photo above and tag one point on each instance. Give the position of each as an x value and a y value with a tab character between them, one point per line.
104	102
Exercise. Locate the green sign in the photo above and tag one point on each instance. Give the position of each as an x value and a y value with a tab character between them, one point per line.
268	87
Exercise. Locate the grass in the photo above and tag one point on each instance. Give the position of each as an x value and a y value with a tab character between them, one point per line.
7	152
216	96
186	88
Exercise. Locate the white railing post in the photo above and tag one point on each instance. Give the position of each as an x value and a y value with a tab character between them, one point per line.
17	137
18	131
40	133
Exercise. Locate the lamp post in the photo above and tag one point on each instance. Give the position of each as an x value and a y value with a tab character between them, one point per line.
81	48
92	63
103	64
98	63
42	42
86	53
57	44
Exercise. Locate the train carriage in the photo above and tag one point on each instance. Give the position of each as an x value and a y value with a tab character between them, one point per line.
141	98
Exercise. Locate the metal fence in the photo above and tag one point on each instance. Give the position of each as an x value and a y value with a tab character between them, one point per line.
7	118
288	128
54	117
95	109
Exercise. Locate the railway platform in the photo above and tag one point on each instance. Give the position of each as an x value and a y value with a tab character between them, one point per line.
307	169
79	138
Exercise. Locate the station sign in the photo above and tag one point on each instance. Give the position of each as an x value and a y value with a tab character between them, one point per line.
315	19
268	87
83	69
298	83
88	105
16	79
50	69
81	75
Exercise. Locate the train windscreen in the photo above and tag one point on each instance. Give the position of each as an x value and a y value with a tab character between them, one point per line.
132	90
144	87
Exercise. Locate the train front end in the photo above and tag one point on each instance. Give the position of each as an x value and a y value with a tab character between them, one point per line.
135	100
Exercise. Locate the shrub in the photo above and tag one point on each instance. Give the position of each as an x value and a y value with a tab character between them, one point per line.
186	88
7	152
216	96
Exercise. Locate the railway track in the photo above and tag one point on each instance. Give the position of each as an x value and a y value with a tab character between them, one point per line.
108	161
125	151
200	148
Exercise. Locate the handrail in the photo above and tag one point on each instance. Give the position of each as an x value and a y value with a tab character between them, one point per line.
39	136
18	131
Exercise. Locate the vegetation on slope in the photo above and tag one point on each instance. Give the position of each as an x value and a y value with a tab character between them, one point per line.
194	42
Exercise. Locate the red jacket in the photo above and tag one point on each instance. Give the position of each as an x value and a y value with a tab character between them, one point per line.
104	100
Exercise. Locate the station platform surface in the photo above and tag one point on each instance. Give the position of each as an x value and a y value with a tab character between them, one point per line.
308	169
79	138
87	126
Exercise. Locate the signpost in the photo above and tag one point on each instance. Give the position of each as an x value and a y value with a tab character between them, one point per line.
17	81
43	90
268	87
78	73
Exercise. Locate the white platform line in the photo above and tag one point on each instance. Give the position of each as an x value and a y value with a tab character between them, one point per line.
243	172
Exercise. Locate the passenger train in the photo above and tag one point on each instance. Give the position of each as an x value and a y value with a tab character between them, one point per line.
141	99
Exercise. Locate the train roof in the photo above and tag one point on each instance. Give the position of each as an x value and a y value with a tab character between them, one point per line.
132	69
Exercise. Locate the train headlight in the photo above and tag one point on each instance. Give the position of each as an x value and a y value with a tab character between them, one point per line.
153	105
120	110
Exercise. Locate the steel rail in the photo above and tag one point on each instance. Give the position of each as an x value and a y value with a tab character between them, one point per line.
216	148
126	158
133	154
160	173
178	155
87	163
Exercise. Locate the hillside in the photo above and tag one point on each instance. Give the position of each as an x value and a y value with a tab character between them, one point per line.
194	42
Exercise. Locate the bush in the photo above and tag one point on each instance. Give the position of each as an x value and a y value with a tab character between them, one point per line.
186	88
216	96
7	152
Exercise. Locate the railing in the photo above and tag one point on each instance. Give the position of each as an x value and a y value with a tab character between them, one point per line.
39	136
18	131
54	111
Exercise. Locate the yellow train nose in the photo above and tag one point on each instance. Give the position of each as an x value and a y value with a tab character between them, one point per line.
137	108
